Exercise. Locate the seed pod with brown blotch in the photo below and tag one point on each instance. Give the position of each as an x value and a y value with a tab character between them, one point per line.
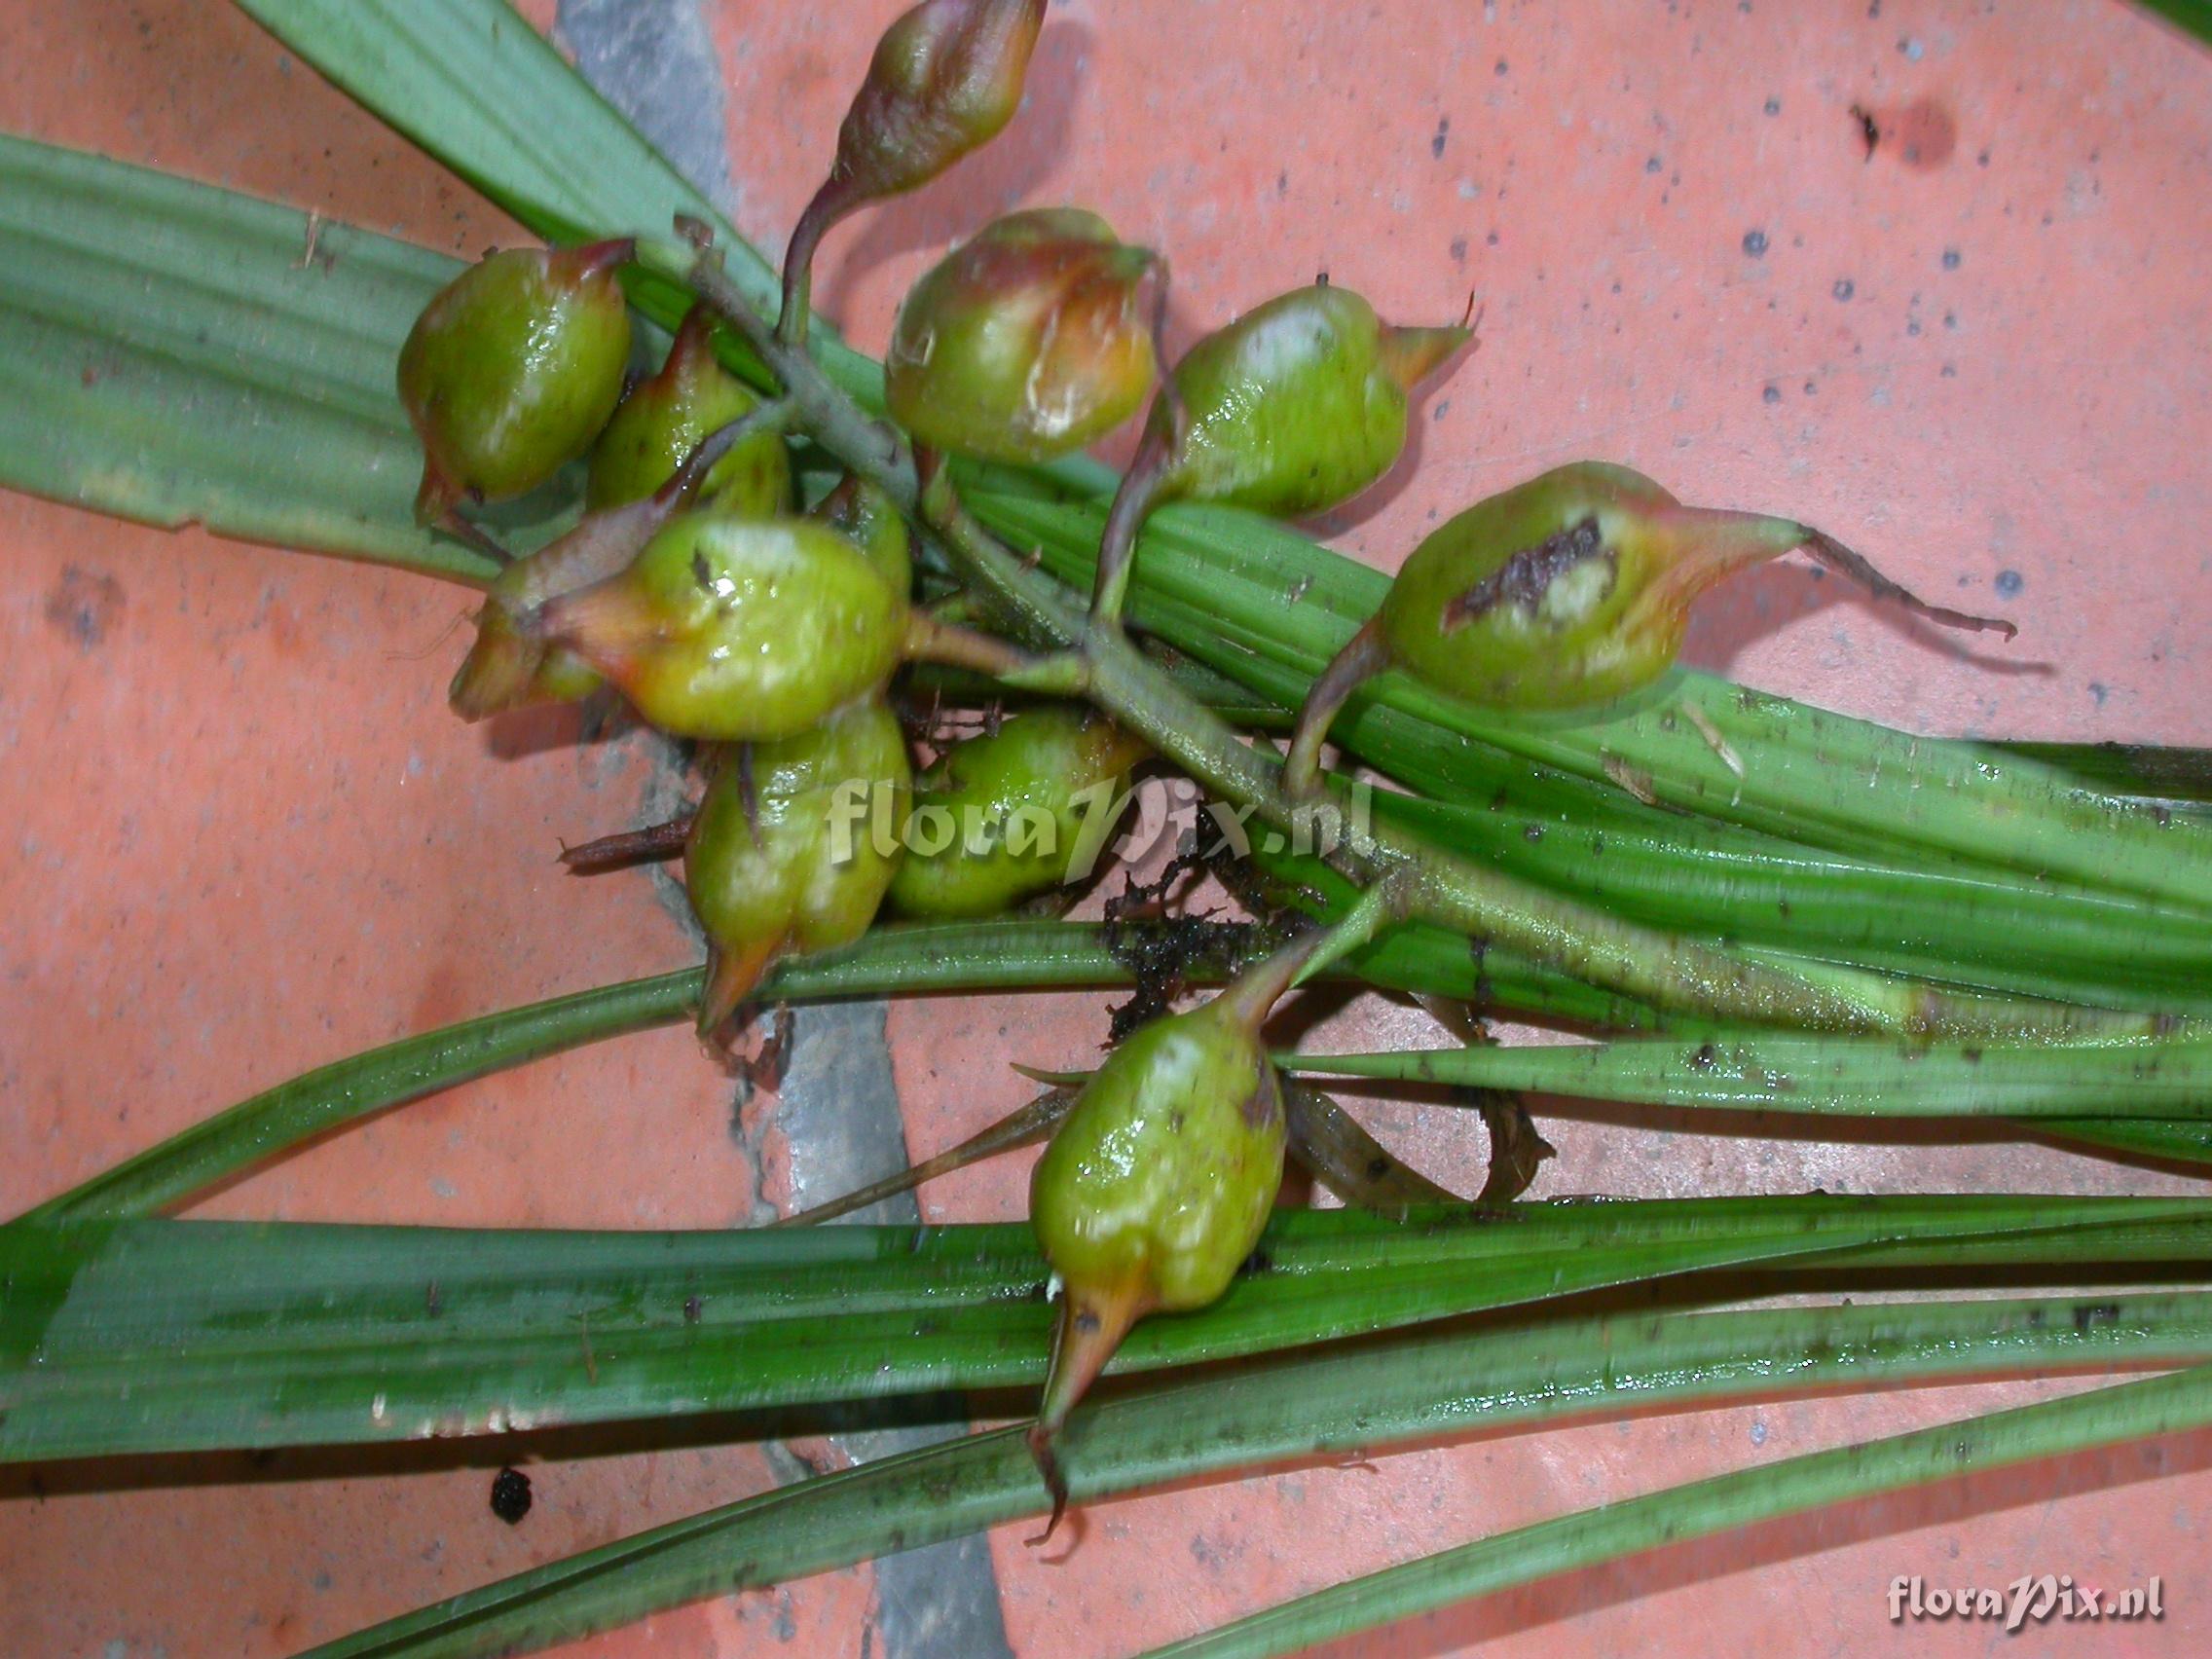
1570	590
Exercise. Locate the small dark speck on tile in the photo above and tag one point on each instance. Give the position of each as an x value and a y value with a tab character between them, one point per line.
2008	584
1501	67
1874	8
1912	326
1811	387
1844	288
1758	1432
1282	182
1772	395
1950	371
1653	165
1950	259
2100	692
1492	238
1950	319
1773	106
1443	132
1754	244
1460	249
1983	160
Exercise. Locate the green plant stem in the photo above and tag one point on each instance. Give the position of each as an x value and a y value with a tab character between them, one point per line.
1671	973
2099	1417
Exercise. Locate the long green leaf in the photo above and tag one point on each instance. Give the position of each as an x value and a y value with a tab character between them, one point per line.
178	354
2100	1417
182	1336
2171	1080
1413	1389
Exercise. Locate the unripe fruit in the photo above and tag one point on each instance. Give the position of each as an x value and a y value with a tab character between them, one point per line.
664	418
1300	404
1575	587
512	369
1028	342
1029	807
780	856
871	520
1572	589
946	77
736	629
1294	408
1157	1183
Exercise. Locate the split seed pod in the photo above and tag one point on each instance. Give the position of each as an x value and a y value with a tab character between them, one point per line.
1028	342
786	855
663	420
1026	808
1572	589
1156	1186
945	78
512	369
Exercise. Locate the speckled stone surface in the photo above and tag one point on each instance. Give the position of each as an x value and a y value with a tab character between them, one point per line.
247	838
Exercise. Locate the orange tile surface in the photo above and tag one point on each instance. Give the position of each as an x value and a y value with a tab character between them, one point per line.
248	838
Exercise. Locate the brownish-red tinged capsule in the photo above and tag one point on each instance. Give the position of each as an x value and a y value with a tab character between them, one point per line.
665	418
947	78
1028	341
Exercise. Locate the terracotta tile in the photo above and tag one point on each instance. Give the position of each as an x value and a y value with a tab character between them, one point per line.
249	839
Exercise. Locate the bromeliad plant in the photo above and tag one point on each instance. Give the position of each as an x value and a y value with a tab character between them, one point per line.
733	593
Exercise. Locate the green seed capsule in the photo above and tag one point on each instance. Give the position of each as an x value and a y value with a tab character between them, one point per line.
1297	405
1025	809
1575	587
1026	343
512	369
663	418
784	856
736	629
1156	1188
871	520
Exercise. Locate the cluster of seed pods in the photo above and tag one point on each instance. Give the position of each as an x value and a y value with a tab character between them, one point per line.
697	589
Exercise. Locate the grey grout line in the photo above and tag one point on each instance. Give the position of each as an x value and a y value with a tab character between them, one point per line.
838	1103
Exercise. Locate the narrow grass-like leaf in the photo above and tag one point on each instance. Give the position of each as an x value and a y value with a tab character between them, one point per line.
178	354
968	956
181	1336
1424	1387
2098	1417
1751	1071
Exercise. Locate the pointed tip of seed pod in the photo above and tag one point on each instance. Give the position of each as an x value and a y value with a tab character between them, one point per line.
608	624
1410	356
1092	1324
593	259
436	496
499	671
731	976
